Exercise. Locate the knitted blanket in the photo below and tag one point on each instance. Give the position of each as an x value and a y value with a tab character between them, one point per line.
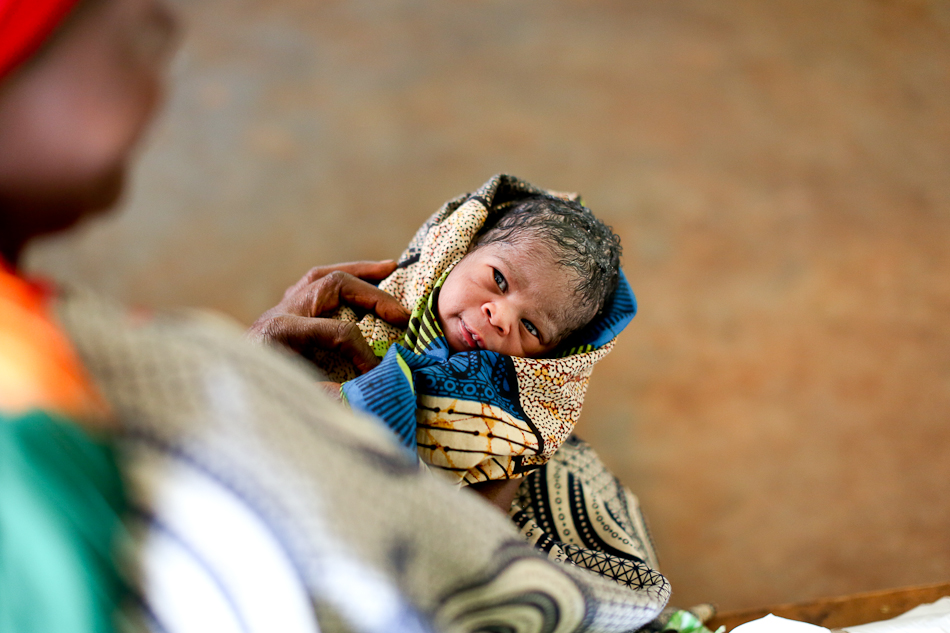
476	415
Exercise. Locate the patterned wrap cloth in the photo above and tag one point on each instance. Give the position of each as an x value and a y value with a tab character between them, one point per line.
478	415
515	414
257	504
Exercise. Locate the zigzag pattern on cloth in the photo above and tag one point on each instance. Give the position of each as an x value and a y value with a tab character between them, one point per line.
327	490
573	509
632	573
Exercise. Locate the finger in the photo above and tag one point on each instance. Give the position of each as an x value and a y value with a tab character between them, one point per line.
371	271
355	292
340	288
303	333
319	297
347	339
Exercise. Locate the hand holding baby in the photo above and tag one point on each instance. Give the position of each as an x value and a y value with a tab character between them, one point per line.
299	321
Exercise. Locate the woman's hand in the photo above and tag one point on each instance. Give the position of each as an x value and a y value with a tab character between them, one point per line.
332	389
298	321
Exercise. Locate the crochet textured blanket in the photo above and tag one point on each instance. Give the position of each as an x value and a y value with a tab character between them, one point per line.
476	415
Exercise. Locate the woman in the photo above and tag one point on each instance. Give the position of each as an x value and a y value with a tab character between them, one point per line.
242	497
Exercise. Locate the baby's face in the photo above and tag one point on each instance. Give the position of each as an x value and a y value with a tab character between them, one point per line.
510	299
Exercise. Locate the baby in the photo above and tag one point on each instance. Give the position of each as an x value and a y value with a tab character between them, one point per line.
517	292
540	273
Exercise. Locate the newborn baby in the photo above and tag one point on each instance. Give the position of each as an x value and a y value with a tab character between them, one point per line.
516	292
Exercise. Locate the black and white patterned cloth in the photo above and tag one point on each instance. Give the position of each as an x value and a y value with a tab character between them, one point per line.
260	505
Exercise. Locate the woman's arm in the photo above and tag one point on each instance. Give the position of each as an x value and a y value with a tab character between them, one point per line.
500	493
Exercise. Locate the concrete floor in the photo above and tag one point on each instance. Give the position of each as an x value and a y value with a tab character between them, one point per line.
779	173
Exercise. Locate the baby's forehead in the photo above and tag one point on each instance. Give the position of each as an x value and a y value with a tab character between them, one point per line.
522	249
533	258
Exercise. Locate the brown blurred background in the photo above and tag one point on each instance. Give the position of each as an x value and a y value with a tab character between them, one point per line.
779	173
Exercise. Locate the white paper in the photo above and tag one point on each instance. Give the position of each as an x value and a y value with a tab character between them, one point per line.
774	624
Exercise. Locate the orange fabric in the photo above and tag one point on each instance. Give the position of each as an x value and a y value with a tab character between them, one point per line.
38	367
24	25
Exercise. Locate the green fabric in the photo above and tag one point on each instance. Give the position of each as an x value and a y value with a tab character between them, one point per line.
686	622
61	499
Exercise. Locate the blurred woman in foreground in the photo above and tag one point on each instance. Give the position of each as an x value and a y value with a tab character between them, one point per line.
160	472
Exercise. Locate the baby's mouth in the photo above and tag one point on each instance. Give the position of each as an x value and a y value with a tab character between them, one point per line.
468	337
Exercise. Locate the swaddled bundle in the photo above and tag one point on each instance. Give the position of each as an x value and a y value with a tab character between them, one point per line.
476	415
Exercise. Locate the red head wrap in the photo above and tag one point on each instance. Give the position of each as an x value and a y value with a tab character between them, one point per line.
24	25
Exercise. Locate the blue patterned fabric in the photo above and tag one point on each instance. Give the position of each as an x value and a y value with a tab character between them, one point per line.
390	391
617	313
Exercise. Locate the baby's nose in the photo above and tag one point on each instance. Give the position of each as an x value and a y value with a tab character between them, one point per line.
498	318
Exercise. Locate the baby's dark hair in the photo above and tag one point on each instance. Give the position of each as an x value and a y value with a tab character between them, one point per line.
578	240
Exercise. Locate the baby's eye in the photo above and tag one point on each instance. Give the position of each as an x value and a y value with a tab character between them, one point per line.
501	281
533	331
